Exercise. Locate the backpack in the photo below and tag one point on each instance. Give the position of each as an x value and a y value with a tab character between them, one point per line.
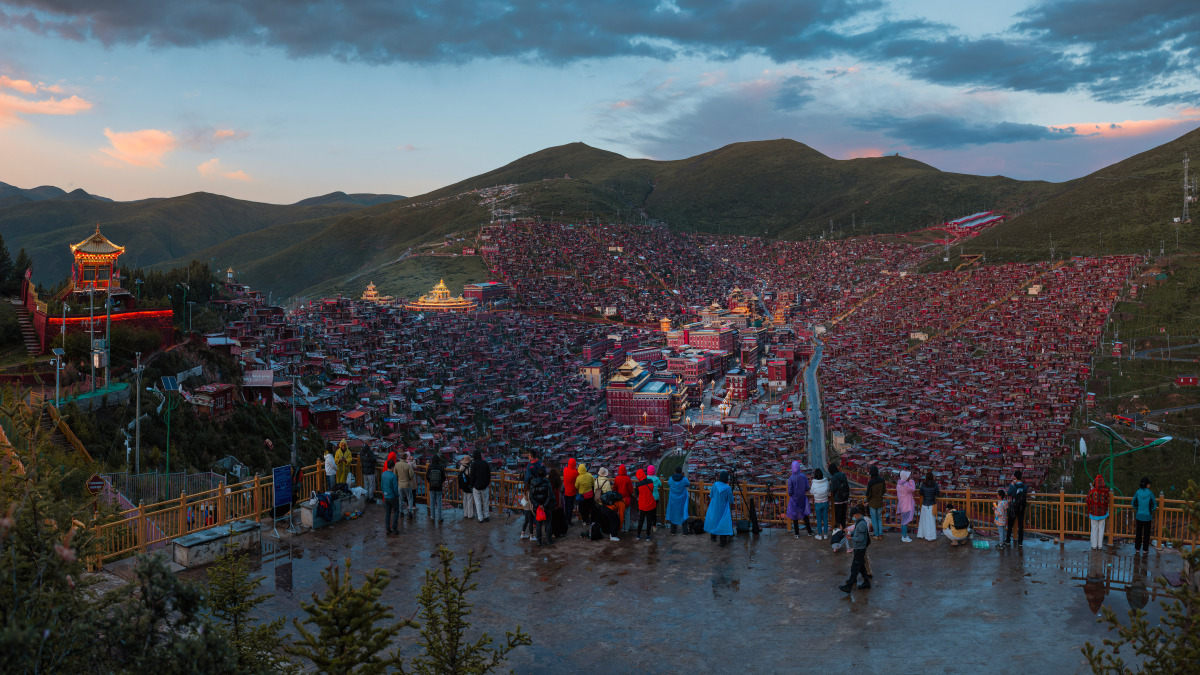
436	479
609	498
1017	501
841	490
596	533
961	521
325	507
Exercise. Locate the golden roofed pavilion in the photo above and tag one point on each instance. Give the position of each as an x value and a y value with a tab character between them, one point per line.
372	295
95	263
439	300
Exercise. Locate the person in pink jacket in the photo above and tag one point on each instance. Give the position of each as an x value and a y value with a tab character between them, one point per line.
905	504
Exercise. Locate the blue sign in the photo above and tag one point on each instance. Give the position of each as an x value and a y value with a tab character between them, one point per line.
282	485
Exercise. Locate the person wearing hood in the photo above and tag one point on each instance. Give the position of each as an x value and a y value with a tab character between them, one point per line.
652	474
876	489
624	487
585	485
677	500
718	521
905	504
1097	507
647	506
541	497
330	471
797	507
342	458
820	495
481	481
569	475
927	527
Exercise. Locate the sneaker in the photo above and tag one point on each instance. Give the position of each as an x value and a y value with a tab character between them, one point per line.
486	520
906	540
797	536
613	539
524	535
845	588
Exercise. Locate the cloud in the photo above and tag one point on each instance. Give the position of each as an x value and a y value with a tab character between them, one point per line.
206	139
144	148
407	147
1108	49
212	169
944	131
794	93
31	99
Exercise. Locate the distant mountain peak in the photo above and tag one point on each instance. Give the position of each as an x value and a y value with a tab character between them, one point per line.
359	198
14	194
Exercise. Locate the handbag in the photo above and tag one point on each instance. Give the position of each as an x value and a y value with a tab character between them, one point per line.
541	514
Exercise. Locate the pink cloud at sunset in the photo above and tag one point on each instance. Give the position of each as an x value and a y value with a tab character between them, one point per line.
1134	127
144	148
13	106
212	169
856	153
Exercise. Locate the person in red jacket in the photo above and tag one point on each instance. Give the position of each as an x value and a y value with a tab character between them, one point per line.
647	505
623	484
569	475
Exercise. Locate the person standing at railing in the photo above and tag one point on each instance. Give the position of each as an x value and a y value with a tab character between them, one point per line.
1144	505
905	504
391	500
342	460
407	480
367	457
927	527
330	470
820	495
624	486
464	487
585	486
569	492
647	505
875	491
1097	508
1000	517
677	500
797	506
435	480
718	521
839	493
1018	501
481	482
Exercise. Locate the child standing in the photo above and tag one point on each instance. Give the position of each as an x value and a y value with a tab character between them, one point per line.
1000	513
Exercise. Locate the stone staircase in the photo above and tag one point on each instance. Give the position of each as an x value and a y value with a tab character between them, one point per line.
28	335
55	434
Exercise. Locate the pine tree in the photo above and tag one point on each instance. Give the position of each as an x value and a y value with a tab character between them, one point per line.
444	612
349	637
6	269
232	597
1173	644
24	262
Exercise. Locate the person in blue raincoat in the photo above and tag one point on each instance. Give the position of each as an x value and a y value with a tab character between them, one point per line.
718	522
677	500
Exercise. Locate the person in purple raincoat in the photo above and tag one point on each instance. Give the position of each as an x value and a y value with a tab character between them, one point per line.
798	506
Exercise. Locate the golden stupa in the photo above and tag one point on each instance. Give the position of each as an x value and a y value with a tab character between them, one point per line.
439	300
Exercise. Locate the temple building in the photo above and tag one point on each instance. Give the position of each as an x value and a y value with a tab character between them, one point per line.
439	300
638	396
95	278
372	295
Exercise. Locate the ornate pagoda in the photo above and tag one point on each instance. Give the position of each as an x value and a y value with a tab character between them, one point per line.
439	300
95	264
372	295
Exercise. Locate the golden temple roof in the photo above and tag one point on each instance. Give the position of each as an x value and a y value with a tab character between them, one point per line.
97	244
439	300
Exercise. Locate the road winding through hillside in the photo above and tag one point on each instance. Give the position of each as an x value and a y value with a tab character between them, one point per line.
816	425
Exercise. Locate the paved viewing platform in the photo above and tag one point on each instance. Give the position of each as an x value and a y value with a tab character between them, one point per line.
765	603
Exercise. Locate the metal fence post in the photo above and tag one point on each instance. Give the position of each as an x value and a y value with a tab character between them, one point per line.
1158	530
1062	517
1112	503
255	501
182	509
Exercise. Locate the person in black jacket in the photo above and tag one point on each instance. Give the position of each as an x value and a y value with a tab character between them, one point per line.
464	487
435	479
369	470
541	495
839	494
481	480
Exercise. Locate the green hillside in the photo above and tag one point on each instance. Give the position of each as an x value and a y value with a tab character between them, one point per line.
153	231
1127	207
410	278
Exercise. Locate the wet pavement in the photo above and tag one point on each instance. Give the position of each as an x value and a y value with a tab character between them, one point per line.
768	603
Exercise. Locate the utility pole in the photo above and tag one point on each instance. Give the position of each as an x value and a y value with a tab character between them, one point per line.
108	334
137	421
91	332
1187	192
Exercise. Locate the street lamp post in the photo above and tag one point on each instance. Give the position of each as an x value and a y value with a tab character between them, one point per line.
1113	437
58	364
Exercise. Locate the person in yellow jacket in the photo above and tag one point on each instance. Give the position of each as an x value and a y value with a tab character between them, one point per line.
585	484
406	480
342	458
956	535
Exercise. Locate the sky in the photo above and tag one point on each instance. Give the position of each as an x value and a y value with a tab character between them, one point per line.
279	100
